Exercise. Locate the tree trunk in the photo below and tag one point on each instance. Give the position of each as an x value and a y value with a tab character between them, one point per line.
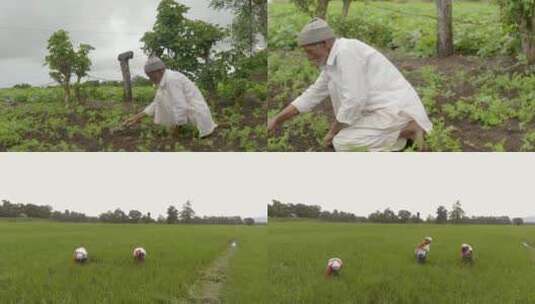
528	39
66	92
321	9
444	28
345	8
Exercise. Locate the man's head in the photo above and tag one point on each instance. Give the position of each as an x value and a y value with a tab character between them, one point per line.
428	240
139	254
155	69
465	248
317	40
80	255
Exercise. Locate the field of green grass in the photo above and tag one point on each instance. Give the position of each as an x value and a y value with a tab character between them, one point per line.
36	262
480	99
379	266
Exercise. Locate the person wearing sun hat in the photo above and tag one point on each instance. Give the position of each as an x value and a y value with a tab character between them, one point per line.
178	100
423	248
375	107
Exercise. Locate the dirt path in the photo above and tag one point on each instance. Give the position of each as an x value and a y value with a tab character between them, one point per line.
207	290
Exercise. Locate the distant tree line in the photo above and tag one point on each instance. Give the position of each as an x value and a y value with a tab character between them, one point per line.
174	216
455	216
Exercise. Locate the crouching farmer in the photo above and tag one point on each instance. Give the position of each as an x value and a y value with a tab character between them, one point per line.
375	107
334	265
80	255
178	100
467	253
422	250
139	254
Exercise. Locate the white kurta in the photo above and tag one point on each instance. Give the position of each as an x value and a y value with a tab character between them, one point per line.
179	101
368	94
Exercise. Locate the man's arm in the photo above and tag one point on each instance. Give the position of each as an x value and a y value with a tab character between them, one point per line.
149	111
288	112
335	128
312	96
134	119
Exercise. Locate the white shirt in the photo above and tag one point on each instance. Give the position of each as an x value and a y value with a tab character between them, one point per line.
179	101
360	80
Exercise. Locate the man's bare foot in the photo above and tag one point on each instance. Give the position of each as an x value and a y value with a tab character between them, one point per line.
415	133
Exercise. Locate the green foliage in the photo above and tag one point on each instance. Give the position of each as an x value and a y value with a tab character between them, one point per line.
518	17
518	13
64	61
375	31
440	139
250	20
183	44
34	120
61	57
390	25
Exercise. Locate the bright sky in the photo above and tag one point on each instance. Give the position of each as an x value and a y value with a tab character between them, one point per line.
486	184
112	27
244	183
217	184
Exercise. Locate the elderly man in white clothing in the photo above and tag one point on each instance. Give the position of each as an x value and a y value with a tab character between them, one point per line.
80	255
139	254
375	107
178	100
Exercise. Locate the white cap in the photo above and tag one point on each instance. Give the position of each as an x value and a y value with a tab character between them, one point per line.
336	265
428	238
154	64
317	30
139	250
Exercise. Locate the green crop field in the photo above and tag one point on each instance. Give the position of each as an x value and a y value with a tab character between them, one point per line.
36	262
480	99
37	119
379	266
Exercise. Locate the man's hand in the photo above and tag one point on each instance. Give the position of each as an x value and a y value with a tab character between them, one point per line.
275	122
335	128
272	125
133	120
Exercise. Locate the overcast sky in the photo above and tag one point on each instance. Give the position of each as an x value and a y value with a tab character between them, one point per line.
111	26
217	184
244	183
486	184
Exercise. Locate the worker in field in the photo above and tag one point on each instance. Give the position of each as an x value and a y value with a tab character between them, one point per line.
178	100
375	107
422	250
334	265
467	253
80	255
139	254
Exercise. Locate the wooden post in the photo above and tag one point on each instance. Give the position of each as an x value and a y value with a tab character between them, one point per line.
444	28
125	69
